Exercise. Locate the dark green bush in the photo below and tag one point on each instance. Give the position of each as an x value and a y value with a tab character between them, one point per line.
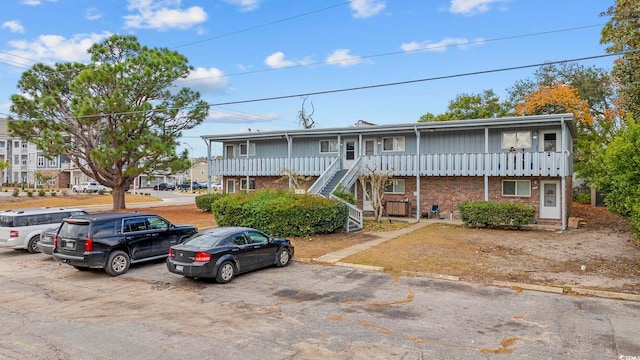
346	196
281	213
495	214
41	193
204	202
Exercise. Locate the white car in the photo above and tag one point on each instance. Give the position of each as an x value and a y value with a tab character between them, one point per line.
89	187
21	228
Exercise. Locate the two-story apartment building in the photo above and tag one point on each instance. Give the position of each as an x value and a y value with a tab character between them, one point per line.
438	163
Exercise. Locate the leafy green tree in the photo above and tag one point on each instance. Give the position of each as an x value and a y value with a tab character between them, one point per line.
591	85
621	176
622	33
43	178
114	118
470	106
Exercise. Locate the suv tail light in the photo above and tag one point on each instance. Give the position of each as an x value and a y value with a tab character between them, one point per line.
55	240
170	253
88	244
202	257
13	234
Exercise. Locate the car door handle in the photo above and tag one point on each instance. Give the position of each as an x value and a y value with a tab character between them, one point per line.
154	235
235	249
257	247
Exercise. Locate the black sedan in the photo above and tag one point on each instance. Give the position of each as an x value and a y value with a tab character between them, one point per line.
223	252
164	186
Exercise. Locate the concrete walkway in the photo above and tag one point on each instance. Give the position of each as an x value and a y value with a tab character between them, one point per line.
381	237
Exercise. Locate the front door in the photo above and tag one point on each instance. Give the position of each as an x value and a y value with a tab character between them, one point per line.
366	202
550	199
350	153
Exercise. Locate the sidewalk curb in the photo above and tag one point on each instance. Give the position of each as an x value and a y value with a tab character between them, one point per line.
606	294
550	289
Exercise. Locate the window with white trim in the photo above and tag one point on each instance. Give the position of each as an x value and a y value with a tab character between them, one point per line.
243	184
393	143
394	186
516	139
40	161
328	146
53	162
520	188
242	149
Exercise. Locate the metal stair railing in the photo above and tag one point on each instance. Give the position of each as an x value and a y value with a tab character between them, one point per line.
355	214
326	176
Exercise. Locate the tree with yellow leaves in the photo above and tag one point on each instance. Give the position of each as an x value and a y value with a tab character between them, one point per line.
555	99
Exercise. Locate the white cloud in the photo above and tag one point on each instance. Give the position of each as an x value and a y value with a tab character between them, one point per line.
277	61
471	7
14	26
52	48
366	8
206	81
34	2
245	5
440	46
92	14
341	57
244	117
163	14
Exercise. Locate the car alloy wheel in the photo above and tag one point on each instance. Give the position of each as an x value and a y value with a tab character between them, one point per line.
283	257
118	263
226	272
32	246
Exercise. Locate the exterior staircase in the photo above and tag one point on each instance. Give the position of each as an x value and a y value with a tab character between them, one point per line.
331	185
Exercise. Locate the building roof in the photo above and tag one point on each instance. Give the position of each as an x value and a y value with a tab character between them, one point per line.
511	122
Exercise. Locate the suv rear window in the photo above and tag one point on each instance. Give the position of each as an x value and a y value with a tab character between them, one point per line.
75	229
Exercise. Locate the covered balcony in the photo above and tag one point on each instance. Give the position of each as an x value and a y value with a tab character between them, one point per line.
473	164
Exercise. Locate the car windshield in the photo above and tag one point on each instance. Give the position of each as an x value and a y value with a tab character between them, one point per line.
205	240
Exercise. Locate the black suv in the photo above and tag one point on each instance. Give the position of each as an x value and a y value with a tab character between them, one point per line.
114	241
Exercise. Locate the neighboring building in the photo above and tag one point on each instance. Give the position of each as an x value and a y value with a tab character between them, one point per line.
443	163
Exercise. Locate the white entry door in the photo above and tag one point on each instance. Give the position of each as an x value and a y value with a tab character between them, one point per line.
550	199
350	153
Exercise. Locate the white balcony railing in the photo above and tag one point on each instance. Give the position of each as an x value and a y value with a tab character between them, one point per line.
473	164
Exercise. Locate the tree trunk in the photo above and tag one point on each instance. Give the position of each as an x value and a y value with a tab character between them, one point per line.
117	196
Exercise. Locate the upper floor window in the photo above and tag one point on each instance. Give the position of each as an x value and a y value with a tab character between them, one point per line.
516	139
25	145
393	143
328	146
53	162
520	188
395	186
16	144
242	149
40	161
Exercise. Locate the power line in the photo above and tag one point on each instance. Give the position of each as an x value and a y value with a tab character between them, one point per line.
406	82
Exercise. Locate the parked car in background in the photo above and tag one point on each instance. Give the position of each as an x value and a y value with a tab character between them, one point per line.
88	187
114	241
223	252
45	244
188	186
164	186
21	228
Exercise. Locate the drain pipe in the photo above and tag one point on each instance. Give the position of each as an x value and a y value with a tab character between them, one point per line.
417	170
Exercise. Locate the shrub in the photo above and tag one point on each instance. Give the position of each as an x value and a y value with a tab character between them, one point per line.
29	193
42	193
583	198
15	193
102	191
346	196
489	214
204	202
281	213
54	193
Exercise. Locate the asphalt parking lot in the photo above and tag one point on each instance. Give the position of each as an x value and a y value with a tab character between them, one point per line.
302	311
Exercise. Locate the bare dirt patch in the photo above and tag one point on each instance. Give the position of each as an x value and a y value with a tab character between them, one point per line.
601	254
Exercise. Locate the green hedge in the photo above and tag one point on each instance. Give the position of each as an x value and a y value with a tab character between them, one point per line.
204	202
494	214
281	213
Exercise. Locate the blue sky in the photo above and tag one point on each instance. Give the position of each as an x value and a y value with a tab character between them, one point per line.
244	50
